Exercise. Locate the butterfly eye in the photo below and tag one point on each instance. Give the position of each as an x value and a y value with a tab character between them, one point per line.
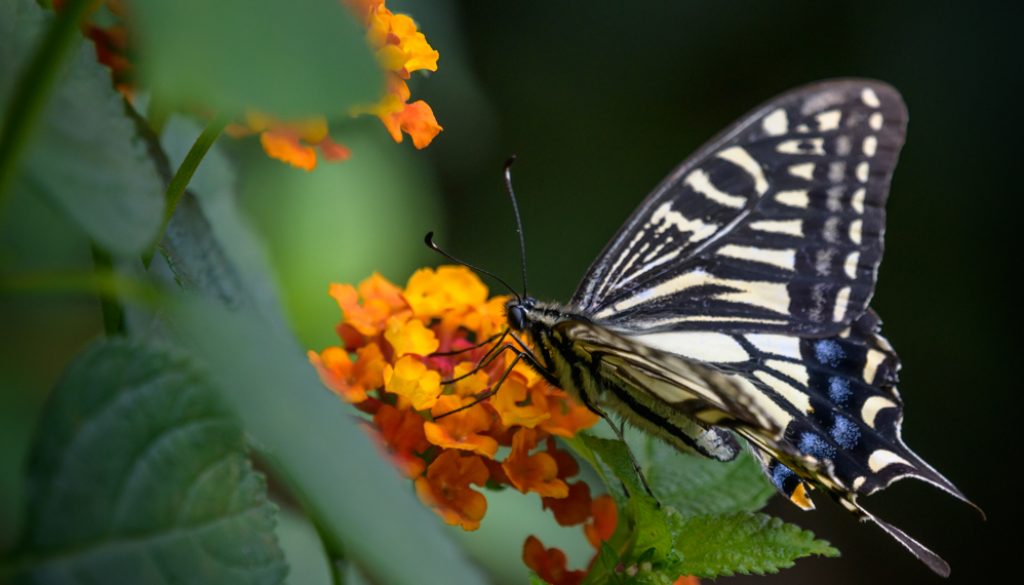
517	317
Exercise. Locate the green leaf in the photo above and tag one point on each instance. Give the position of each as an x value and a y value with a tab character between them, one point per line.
138	474
695	485
310	436
85	156
289	59
711	546
614	455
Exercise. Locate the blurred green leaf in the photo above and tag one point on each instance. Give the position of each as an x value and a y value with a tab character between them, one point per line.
743	543
208	245
356	496
289	59
85	156
139	475
307	561
696	485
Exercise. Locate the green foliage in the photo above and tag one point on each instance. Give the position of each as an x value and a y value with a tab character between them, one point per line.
316	446
85	156
690	532
138	474
697	485
743	542
235	55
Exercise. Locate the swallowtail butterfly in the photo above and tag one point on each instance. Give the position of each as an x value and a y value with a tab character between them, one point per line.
734	302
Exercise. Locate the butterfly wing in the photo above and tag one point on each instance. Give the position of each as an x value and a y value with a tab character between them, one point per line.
774	225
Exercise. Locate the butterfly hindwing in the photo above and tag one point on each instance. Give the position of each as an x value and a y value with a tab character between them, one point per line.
775	225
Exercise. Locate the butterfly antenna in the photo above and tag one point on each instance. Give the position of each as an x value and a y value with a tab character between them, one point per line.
429	240
519	220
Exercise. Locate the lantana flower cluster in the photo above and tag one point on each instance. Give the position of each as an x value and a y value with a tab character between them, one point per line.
399	351
400	50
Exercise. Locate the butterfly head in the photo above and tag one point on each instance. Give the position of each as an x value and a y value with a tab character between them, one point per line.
516	311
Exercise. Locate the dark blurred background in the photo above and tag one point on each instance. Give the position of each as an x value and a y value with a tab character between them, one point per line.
600	101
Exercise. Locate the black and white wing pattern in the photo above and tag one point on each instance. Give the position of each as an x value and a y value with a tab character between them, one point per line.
750	270
774	225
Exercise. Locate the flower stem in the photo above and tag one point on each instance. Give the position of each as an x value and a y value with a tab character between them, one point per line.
182	177
37	80
113	311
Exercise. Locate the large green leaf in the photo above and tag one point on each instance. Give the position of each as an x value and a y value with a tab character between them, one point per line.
743	543
138	475
290	59
84	156
310	436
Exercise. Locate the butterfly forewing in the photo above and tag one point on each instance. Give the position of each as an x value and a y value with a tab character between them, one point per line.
775	225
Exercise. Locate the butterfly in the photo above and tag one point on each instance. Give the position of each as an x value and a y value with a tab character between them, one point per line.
734	303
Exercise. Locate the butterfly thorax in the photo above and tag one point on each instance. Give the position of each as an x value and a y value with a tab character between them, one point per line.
590	362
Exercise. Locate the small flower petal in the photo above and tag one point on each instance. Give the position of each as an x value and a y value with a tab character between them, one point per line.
411	380
549	563
446	489
533	473
402	433
287	148
410	337
461	430
606	518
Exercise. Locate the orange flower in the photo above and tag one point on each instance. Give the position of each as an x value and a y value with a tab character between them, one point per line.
410	379
348	379
567	417
686	580
293	141
446	489
549	563
432	293
462	429
519	405
605	519
381	301
533	473
415	119
573	509
402	433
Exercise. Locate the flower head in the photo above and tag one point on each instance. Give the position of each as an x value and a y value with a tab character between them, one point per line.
418	359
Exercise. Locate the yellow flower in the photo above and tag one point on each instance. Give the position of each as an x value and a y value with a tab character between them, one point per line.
410	379
410	337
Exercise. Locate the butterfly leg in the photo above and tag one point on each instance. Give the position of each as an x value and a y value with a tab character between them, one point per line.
484	360
497	336
520	355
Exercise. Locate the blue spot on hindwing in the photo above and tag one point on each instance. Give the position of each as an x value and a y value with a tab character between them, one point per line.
780	475
839	390
829	352
845	432
814	445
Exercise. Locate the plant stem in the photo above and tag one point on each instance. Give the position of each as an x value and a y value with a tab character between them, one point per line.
113	311
37	80
182	177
